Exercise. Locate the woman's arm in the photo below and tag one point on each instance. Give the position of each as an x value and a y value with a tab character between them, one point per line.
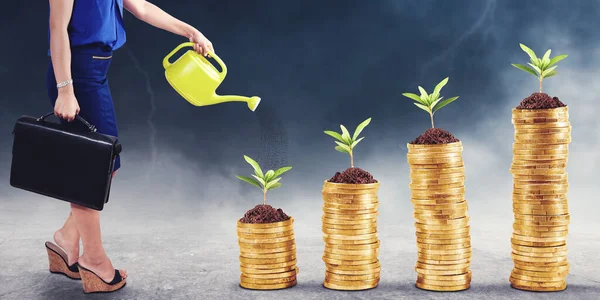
156	17
66	105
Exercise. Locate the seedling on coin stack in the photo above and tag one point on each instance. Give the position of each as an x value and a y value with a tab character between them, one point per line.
438	196
266	238
349	219
540	205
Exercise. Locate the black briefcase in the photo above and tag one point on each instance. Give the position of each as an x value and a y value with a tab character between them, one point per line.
63	161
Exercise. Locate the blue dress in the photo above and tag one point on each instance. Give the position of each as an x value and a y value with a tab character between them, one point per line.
95	31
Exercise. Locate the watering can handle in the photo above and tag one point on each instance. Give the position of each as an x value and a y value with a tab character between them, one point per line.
167	64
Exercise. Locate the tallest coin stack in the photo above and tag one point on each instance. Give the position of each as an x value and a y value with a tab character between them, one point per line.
541	215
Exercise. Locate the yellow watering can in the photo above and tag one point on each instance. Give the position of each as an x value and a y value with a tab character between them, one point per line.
196	79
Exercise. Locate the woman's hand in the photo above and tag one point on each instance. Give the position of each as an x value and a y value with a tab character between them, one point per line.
201	44
66	106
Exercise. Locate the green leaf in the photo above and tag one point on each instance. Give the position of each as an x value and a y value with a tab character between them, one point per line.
360	128
335	135
546	56
270	184
557	58
269	175
276	185
255	166
546	72
356	142
424	95
526	69
340	149
433	97
414	97
249	180
259	179
550	74
347	147
435	102
423	107
346	135
281	171
528	51
536	68
445	102
439	86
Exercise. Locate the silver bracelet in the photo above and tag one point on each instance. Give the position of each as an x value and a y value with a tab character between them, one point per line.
64	83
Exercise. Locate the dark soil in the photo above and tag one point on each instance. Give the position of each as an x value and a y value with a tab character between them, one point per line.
262	214
353	175
540	101
435	136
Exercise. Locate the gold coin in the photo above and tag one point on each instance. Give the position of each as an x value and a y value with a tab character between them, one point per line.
268	266
353	272
336	211
332	261
440	216
542	130
444	258
528	249
535	274
438	207
420	226
351	232
536	112
433	147
540	254
332	241
366	252
540	228
431	221
259	236
435	237
444	282
333	276
564	267
253	286
260	261
530	165
443	247
350	187
537	171
442	288
439	193
542	202
443	272
544	125
438	171
537	157
350	227
533	284
434	160
444	242
557	177
436	176
257	246
354	269
350	237
541	234
415	186
349	217
535	223
253	272
273	240
520	146
542	136
442	267
531	259
267	250
349	198
438	201
429	154
288	222
445	277
374	245
539	239
438	253
547	207
443	262
536	244
287	274
351	206
559	218
352	286
344	257
327	220
273	230
437	181
268	255
443	231
440	213
540	212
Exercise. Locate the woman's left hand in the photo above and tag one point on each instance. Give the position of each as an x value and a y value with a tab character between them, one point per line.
201	44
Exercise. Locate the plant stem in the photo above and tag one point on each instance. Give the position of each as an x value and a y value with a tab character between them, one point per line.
540	85
351	159
431	116
265	197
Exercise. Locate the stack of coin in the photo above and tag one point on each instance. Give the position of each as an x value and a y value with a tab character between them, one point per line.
441	219
350	235
267	255
541	215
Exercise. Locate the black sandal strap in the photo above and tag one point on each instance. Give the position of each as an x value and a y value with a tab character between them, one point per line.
73	268
117	278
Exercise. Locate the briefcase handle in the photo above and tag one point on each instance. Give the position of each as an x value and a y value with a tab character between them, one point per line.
91	127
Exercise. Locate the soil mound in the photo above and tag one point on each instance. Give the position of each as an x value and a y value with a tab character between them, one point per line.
540	101
262	214
353	175
435	136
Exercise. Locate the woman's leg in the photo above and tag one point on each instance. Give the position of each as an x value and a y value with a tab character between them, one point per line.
94	257
67	238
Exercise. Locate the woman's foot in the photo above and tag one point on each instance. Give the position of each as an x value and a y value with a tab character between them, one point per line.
69	242
102	266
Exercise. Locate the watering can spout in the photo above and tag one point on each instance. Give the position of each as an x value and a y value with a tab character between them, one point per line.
252	101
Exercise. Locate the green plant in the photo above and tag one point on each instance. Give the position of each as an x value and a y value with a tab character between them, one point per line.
431	102
265	181
346	143
543	66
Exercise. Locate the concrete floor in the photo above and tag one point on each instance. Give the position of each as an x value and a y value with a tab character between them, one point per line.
180	256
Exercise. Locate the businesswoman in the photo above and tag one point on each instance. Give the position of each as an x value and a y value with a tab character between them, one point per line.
83	35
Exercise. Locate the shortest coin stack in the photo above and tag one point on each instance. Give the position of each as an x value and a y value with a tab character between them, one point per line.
441	219
267	255
350	234
540	206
